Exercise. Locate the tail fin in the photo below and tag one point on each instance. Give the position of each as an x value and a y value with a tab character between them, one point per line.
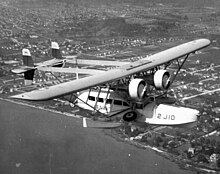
56	50
28	61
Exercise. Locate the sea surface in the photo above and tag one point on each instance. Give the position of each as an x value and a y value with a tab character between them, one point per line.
35	141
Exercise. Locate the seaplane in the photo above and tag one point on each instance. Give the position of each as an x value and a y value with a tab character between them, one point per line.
130	89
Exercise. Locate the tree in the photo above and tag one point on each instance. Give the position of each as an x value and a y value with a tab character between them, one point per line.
202	158
144	138
156	141
186	18
178	133
207	141
213	142
164	145
218	163
127	130
193	144
189	154
162	134
191	137
172	144
202	140
217	150
135	133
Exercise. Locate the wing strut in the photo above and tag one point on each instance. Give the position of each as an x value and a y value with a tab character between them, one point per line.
180	65
88	95
97	98
56	77
108	87
179	68
95	110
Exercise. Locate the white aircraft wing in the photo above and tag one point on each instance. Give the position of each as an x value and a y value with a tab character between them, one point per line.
71	70
115	74
97	62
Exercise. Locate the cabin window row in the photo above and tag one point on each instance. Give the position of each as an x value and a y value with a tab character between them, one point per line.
109	101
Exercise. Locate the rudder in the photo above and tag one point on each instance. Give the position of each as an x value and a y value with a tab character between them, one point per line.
56	50
28	61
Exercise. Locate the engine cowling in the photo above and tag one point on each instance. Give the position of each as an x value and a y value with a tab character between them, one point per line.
137	88
162	79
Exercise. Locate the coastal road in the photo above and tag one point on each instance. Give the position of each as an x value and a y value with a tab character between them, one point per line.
36	141
203	93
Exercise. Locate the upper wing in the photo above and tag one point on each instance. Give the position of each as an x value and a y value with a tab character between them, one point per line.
115	74
71	70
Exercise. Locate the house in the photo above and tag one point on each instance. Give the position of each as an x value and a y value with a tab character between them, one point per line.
214	157
191	150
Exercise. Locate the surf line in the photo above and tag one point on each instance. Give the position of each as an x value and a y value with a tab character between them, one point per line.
42	108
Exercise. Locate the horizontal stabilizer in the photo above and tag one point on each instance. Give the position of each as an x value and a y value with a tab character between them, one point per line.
22	69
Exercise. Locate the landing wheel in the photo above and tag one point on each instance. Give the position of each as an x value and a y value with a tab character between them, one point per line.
130	116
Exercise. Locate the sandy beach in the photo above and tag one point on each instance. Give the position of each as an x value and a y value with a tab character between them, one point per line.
35	141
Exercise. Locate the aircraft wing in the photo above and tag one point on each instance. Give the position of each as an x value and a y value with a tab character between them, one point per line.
71	70
115	74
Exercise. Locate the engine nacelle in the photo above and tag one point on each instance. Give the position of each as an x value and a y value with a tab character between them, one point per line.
162	79
137	88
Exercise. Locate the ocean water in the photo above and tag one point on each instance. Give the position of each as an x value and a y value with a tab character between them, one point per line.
35	141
